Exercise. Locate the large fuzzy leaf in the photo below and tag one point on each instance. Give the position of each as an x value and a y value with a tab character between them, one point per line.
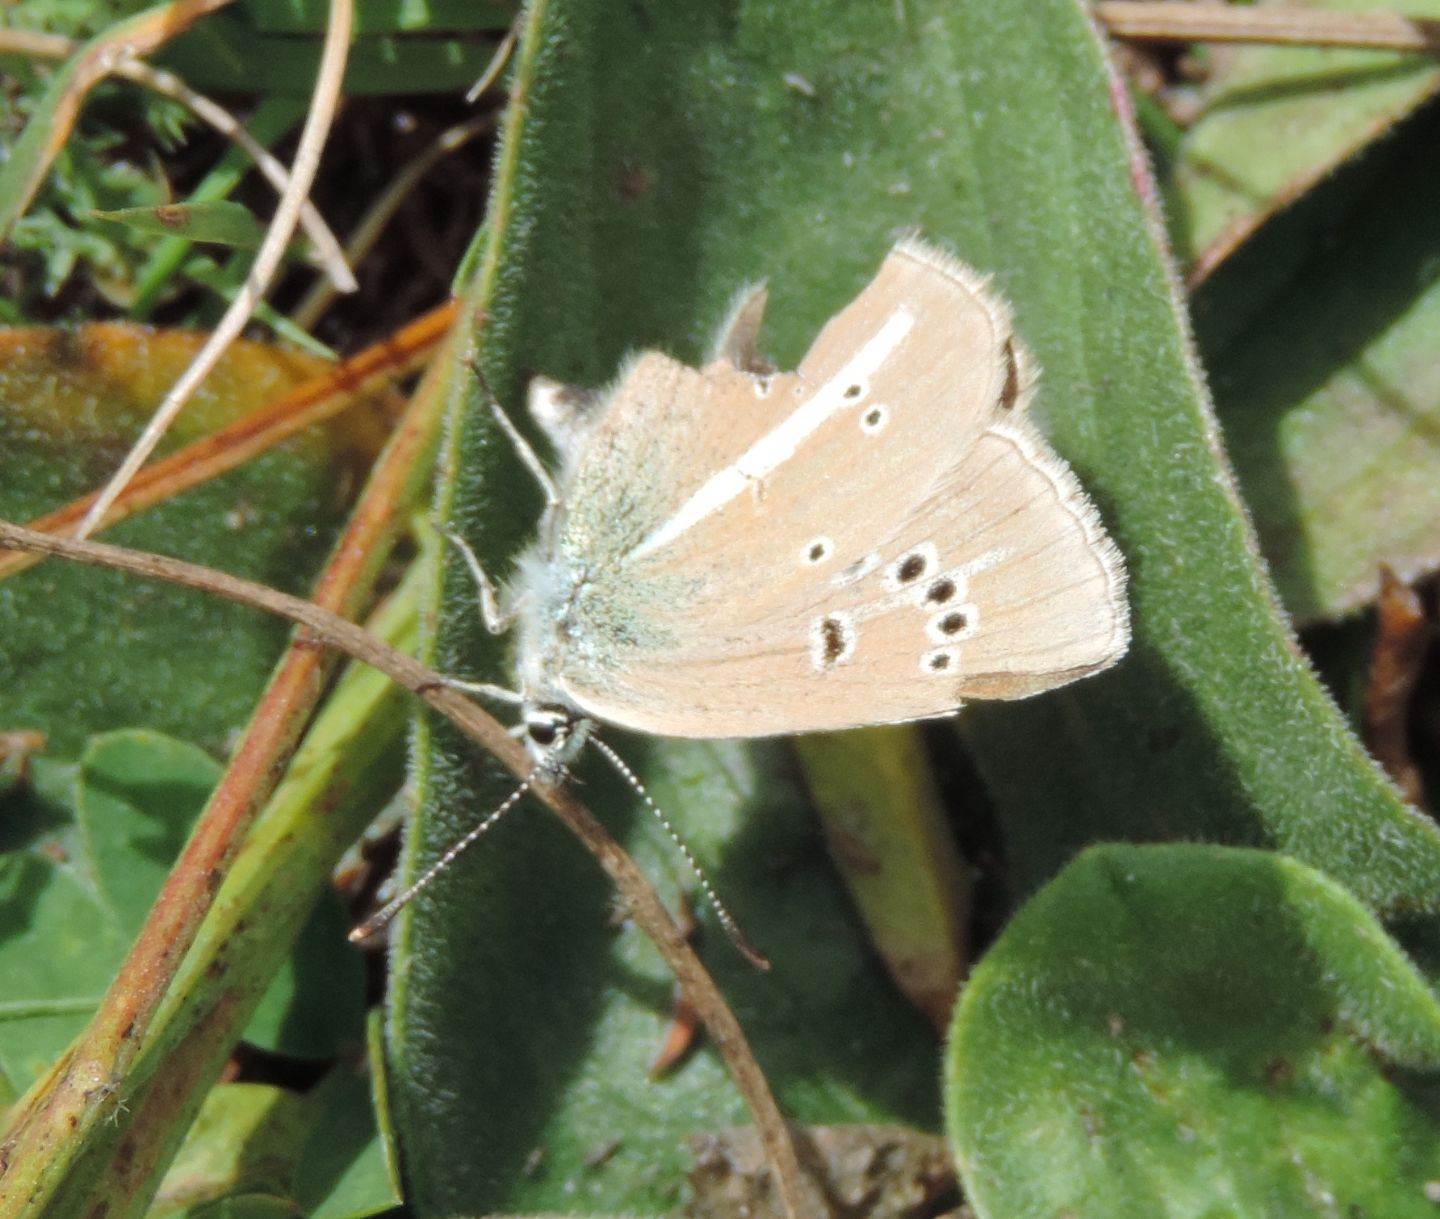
1276	120
1185	1031
656	158
1320	334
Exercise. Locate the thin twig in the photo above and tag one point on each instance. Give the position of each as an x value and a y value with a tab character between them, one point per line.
267	259
1294	26
800	1196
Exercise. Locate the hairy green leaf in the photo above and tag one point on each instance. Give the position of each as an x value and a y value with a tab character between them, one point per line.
1184	1031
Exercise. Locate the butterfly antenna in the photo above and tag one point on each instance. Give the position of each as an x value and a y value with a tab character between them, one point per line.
727	920
381	918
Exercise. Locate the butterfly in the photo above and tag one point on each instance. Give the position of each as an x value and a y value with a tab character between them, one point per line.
738	551
878	536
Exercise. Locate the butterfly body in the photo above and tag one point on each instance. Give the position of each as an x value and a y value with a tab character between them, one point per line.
875	537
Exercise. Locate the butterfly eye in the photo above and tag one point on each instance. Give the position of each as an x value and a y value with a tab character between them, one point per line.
549	727
544	733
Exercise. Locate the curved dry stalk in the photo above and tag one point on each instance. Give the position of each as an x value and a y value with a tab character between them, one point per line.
267	259
1295	26
799	1194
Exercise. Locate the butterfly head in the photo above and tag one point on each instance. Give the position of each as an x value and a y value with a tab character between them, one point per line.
554	734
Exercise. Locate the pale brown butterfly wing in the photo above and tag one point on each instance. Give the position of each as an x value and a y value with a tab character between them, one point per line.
872	538
636	461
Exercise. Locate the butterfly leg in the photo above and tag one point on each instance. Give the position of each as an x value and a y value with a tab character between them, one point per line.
497	621
528	456
483	689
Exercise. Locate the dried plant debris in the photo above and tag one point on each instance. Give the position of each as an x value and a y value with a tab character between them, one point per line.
1402	640
867	1172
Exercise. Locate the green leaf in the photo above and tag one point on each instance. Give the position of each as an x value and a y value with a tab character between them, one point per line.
1320	334
650	166
245	1206
1211	728
1189	1031
314	1007
70	905
886	828
240	1147
257	1149
525	1020
1277	120
75	897
136	796
270	119
220	221
29	158
348	762
87	651
346	1166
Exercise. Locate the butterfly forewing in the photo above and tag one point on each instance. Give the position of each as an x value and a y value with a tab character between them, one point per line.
871	538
